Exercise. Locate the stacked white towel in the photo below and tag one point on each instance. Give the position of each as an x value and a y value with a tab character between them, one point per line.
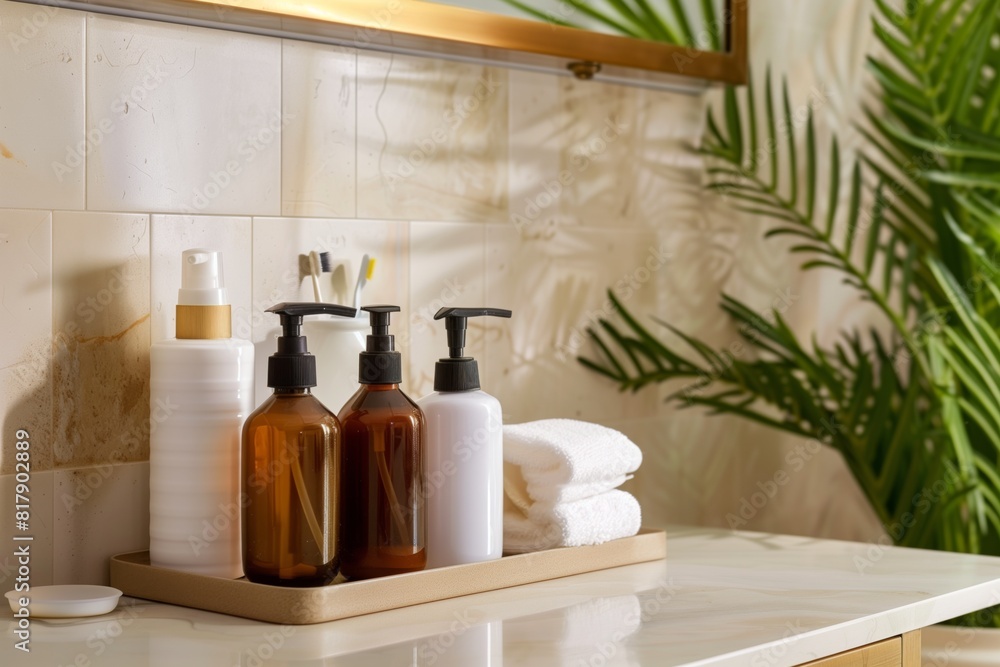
560	482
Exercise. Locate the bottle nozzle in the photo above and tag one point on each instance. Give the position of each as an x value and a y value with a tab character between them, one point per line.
380	363
458	372
201	279
291	314
456	323
379	318
203	310
292	366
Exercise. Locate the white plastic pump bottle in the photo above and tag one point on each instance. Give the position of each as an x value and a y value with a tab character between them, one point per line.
463	482
201	390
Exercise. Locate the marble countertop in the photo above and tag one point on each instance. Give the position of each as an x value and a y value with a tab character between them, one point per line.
721	598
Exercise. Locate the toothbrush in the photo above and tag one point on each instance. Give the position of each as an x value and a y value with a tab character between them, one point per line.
326	262
319	263
364	275
314	268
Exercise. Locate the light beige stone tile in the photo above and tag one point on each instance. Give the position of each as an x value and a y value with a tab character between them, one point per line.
40	529
100	312
172	235
661	170
726	472
98	512
318	157
278	276
190	119
42	109
26	334
691	464
703	265
537	127
602	155
556	284
594	132
432	139
446	270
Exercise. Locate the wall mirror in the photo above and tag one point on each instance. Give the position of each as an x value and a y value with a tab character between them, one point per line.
675	44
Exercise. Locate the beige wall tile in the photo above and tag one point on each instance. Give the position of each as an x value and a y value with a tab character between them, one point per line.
556	285
595	131
600	155
100	312
702	265
660	171
277	245
42	111
190	118
432	139
535	160
173	234
742	476
40	499
98	512
446	270
26	334
318	158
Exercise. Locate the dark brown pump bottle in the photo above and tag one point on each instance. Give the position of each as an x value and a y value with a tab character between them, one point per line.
382	466
291	452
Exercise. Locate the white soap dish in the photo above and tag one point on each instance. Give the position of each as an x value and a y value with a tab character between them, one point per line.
66	601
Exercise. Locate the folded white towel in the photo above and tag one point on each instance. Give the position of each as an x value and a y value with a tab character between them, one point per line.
595	520
556	461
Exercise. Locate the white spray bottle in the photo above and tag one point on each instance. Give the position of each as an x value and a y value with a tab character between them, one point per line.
464	455
201	391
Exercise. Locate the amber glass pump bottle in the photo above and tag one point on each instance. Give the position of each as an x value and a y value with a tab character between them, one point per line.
291	450
382	461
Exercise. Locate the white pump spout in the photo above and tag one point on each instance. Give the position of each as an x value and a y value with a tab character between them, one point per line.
201	279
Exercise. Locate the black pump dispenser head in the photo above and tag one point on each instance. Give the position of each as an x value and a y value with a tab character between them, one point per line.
380	363
292	367
458	372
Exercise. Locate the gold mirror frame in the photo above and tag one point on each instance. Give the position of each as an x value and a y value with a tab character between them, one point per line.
426	28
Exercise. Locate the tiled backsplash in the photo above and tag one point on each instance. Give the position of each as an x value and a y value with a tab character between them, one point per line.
123	142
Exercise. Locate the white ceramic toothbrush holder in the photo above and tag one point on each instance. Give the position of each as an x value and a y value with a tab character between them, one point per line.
336	343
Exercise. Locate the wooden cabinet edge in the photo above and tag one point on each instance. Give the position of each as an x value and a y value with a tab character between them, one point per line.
903	651
911	649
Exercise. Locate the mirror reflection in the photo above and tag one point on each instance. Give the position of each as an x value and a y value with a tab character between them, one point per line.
696	23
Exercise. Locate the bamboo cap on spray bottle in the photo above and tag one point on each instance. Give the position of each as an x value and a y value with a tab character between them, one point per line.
203	310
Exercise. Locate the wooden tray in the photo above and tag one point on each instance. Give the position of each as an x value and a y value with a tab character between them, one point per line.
133	574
